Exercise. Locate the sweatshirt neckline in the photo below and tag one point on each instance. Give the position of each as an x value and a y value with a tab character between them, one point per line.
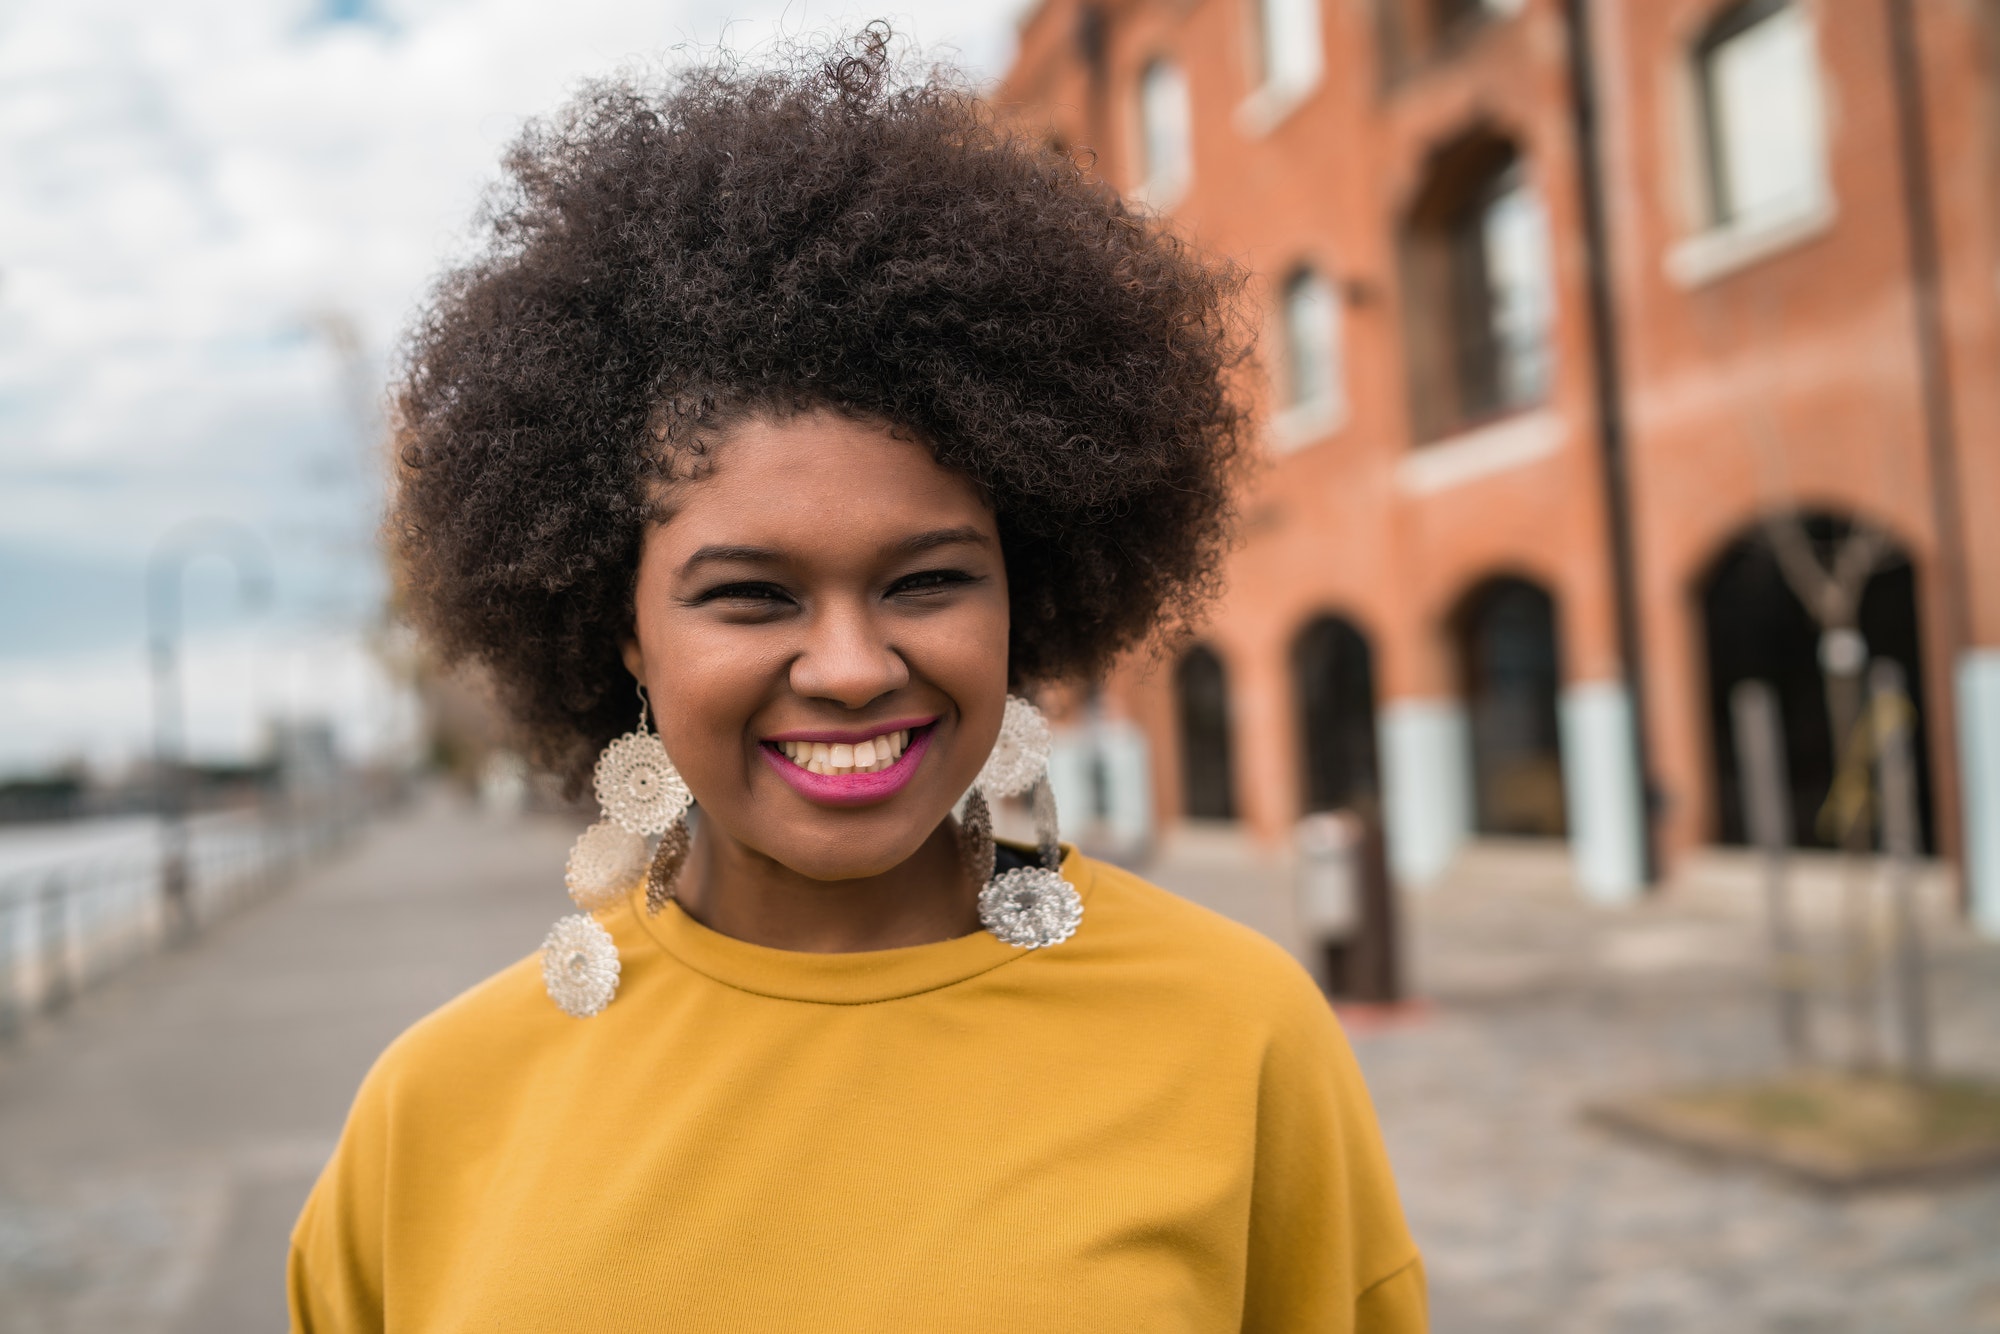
859	978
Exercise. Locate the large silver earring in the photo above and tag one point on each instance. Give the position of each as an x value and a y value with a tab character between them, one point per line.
640	793
1031	907
637	785
580	965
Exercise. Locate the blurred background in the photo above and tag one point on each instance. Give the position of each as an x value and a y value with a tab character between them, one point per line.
1605	705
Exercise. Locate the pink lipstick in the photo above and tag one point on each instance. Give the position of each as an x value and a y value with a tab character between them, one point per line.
850	788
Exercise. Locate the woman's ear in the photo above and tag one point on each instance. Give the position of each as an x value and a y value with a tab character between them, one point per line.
635	661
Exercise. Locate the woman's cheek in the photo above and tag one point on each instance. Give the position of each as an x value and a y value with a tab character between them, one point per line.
967	659
712	683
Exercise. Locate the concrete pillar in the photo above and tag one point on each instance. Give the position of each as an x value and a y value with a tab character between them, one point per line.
1101	773
1602	795
1426	747
1979	781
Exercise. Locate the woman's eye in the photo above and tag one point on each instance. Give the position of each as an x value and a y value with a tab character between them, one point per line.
750	593
929	581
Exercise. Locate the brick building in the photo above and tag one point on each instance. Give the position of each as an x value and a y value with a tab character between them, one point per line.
1597	333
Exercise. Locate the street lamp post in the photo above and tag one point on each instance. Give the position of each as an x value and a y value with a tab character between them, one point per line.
164	570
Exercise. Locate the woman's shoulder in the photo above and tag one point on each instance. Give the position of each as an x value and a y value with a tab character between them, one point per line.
483	1029
1210	956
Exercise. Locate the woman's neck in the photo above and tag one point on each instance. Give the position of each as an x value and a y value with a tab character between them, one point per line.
737	891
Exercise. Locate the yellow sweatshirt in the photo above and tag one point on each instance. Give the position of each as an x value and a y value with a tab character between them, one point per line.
1155	1127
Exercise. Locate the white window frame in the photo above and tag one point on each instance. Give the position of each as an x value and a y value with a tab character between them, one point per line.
1521	283
1300	421
1165	106
1479	452
1289	44
1724	244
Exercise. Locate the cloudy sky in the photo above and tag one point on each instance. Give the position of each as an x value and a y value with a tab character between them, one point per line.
218	214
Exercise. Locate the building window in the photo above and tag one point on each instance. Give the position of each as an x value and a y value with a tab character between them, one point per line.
1761	115
1208	784
1481	292
1310	393
1510	665
1453	15
1166	133
1507	271
1333	673
1288	45
1416	32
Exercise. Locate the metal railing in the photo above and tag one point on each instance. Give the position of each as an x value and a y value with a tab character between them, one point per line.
72	920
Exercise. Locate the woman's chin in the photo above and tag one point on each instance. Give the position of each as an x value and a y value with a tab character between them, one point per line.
856	866
836	854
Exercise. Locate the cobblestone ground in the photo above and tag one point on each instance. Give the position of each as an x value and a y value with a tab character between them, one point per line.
157	1140
1531	1220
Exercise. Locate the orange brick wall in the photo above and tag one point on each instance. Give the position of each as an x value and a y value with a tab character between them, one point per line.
1818	340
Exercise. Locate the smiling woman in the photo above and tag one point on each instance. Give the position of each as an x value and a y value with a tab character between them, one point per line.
770	627
827	412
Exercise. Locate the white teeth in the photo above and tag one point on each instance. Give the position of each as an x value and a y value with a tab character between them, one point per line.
869	757
863	757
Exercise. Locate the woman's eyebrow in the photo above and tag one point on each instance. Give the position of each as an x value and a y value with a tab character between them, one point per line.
733	555
939	537
908	546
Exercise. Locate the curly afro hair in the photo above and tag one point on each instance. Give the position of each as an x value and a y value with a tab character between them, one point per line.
826	231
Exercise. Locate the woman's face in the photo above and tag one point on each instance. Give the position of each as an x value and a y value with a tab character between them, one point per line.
821	624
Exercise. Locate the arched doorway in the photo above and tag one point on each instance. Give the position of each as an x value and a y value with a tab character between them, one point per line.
1758	629
1511	670
1333	677
1201	695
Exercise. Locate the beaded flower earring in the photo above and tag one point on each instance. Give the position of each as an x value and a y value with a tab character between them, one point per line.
1032	907
640	794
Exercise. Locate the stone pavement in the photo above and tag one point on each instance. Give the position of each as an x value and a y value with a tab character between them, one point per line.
1532	1222
157	1139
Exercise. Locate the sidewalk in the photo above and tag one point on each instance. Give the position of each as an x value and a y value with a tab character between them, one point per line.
157	1139
1532	1222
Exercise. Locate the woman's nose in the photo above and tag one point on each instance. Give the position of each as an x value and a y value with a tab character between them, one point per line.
848	660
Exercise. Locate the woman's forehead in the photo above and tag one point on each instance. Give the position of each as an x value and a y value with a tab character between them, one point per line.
820	472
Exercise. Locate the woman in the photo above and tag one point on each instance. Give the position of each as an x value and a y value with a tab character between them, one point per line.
801	413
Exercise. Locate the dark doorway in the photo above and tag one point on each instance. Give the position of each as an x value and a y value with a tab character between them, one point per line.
1333	675
1507	643
1201	690
1758	629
